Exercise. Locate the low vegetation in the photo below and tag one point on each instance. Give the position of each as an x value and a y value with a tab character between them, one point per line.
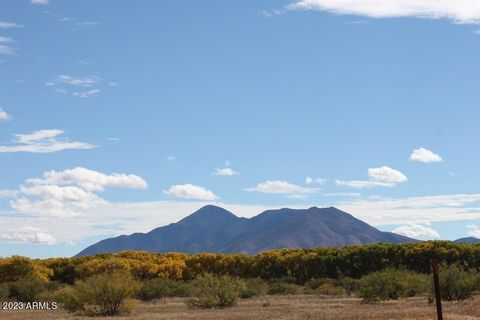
112	284
215	291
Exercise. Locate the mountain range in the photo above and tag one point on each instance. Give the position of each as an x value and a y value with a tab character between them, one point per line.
214	229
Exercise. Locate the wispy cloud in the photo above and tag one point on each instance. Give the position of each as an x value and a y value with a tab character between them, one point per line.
459	11
417	231
414	210
282	187
4	115
225	172
190	191
473	231
9	25
5	47
379	177
310	180
87	94
65	83
78	81
42	141
425	156
29	235
43	2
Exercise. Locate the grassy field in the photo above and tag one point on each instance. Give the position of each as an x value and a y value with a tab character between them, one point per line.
283	307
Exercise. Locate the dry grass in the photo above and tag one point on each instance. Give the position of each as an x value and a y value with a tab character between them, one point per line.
283	307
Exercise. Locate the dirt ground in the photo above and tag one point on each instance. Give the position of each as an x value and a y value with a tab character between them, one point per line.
282	307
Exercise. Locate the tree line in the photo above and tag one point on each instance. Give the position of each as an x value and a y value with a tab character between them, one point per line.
300	265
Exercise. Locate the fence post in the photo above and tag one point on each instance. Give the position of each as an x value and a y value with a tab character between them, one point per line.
436	282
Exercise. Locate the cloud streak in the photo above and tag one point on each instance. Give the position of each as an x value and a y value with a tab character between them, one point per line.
43	141
282	187
458	11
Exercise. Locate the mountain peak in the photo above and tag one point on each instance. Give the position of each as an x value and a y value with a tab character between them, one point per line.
209	213
472	240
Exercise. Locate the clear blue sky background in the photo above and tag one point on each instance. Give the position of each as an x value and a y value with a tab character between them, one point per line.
280	95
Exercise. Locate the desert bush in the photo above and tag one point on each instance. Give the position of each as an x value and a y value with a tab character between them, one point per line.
4	291
106	294
215	291
26	289
391	284
280	287
456	283
253	287
349	284
330	289
325	286
68	298
156	289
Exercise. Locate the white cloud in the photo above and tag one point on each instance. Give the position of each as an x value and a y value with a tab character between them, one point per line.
78	81
68	193
310	180
321	180
282	187
6	193
5	47
362	184
29	235
224	172
458	11
425	156
97	222
8	25
4	115
43	141
386	175
171	158
87	94
89	179
44	2
190	191
474	231
379	177
65	83
417	231
414	210
342	194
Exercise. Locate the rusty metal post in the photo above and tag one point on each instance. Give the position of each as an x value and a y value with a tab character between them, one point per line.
436	282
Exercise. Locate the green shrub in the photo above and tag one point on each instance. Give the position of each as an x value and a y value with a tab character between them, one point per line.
330	289
456	283
68	298
391	284
182	289
215	291
26	289
156	289
280	287
4	291
253	287
106	294
314	284
349	284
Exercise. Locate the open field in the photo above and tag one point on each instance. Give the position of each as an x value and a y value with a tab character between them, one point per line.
283	307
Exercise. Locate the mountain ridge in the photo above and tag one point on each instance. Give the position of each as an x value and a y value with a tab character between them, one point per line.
214	229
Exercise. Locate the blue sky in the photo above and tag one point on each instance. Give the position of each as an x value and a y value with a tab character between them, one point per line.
122	116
